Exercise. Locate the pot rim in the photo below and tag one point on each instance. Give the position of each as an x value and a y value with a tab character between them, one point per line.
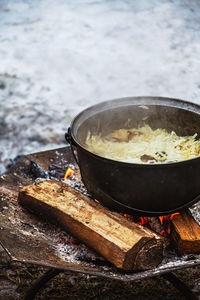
180	104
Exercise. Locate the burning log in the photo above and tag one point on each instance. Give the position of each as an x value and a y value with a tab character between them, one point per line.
185	233
127	245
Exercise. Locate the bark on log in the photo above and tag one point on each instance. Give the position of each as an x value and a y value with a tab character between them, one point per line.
185	233
127	245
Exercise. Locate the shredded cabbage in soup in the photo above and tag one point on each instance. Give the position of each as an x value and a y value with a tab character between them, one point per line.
144	145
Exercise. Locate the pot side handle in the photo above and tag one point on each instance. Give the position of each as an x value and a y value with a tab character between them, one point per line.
69	139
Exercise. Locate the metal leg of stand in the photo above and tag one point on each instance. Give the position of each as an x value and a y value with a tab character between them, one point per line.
180	286
40	282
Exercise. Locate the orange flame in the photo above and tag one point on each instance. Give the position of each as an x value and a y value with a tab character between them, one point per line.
68	173
139	220
173	215
165	220
167	217
161	218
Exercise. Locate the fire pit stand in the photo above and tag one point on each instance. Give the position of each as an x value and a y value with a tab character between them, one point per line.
41	243
40	282
51	273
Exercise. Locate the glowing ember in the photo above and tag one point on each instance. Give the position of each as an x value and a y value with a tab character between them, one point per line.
130	218
72	240
68	173
163	229
163	233
139	220
143	221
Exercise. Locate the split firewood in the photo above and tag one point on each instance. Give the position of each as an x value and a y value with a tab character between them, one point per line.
185	233
155	225
127	245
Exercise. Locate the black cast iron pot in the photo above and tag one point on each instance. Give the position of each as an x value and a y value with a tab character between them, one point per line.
143	189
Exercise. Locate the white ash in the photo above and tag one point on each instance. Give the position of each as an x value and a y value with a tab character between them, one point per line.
39	180
66	252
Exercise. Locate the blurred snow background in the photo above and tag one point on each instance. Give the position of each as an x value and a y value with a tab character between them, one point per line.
58	57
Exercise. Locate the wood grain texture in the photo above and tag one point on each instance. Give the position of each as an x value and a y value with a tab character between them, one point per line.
127	245
186	233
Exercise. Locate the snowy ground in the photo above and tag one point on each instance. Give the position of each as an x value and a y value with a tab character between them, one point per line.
58	57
